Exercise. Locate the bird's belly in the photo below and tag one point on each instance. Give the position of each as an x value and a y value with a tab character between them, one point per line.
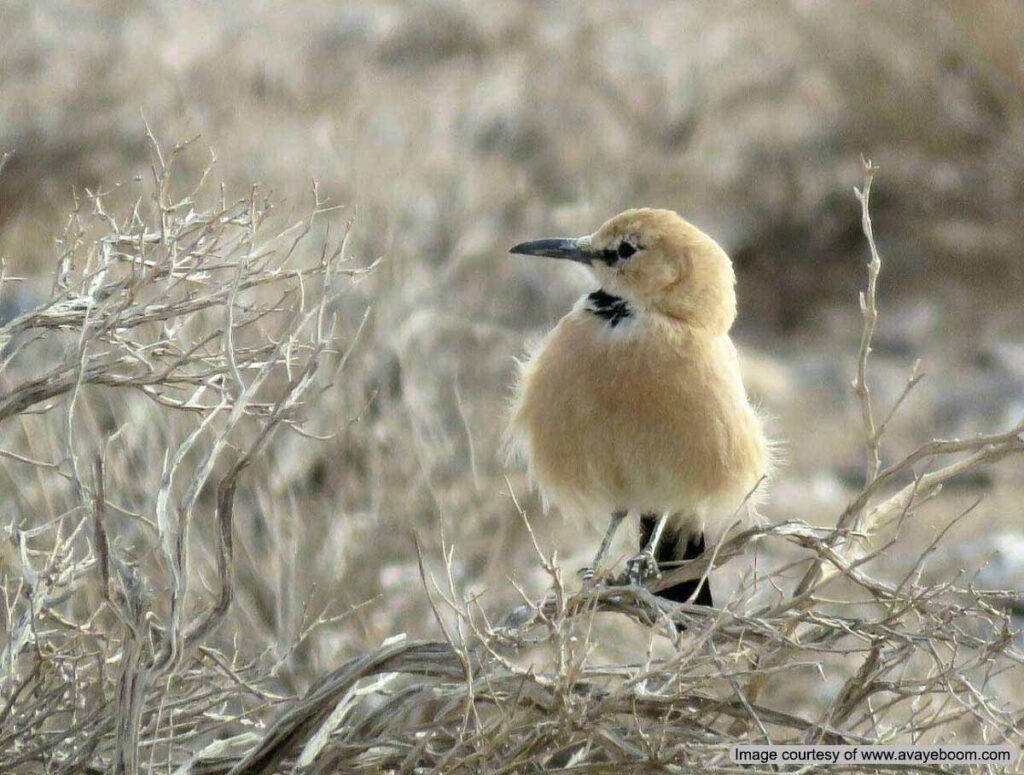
620	461
603	431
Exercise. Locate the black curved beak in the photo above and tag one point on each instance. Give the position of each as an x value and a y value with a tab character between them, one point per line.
570	249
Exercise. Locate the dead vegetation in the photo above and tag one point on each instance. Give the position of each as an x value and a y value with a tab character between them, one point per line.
436	123
191	303
185	341
436	132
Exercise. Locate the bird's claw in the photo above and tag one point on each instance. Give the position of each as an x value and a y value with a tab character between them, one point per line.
589	577
641	568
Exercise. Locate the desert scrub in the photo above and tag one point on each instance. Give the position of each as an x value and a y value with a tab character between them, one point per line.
181	335
142	400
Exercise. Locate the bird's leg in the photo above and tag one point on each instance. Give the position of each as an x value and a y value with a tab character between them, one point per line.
643	566
617	516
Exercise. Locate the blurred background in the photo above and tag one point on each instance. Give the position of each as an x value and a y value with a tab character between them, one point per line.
451	130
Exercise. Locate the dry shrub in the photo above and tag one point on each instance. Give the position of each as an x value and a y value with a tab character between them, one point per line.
184	342
458	123
178	340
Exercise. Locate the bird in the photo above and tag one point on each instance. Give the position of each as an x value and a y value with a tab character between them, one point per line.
634	402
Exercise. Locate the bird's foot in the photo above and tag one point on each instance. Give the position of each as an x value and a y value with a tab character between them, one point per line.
589	577
641	568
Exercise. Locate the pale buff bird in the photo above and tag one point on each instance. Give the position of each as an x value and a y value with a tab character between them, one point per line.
634	402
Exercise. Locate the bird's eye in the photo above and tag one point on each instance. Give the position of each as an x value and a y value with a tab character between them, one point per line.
626	250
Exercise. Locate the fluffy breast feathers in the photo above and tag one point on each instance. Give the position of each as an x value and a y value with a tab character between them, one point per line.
649	416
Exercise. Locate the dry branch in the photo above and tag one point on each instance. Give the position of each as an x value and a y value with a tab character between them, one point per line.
216	314
218	323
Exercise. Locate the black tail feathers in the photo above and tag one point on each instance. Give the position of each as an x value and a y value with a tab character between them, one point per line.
668	551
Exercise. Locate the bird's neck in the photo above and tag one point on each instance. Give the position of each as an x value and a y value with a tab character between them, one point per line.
610	308
616	311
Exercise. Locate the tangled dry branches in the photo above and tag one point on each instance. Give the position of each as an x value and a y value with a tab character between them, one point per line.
186	302
198	312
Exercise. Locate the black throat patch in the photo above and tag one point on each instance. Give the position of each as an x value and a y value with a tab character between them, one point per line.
612	308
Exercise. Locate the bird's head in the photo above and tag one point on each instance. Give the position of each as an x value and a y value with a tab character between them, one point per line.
655	260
